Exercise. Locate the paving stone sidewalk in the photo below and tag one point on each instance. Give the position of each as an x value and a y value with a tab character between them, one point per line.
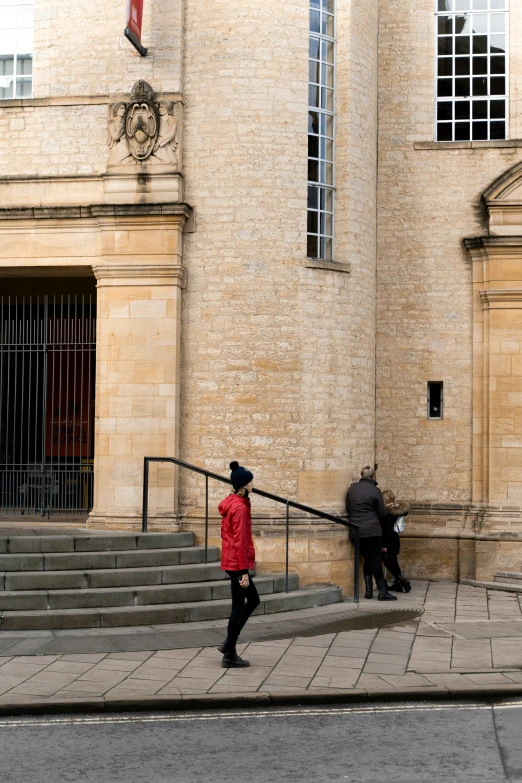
467	637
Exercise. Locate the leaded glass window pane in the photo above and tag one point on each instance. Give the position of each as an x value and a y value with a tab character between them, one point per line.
471	79
320	223
16	46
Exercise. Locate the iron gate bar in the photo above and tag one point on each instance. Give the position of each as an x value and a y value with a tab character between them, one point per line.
269	495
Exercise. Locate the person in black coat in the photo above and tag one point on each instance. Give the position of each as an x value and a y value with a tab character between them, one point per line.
391	542
365	507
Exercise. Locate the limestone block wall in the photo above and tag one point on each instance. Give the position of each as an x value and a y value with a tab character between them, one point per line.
337	311
80	59
428	201
277	358
76	145
80	48
246	118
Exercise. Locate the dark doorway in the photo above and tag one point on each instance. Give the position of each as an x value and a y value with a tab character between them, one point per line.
47	374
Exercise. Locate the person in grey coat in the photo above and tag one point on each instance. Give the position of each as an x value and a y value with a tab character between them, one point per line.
365	507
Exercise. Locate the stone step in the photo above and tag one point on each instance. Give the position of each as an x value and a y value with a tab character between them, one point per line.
53	619
508	576
108	577
99	542
148	595
87	561
505	586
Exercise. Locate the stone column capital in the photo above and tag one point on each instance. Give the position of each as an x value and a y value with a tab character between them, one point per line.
484	248
140	275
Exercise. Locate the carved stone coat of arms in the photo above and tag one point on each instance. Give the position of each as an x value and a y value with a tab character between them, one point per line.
143	130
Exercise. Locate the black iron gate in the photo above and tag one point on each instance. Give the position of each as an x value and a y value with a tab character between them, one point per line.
47	365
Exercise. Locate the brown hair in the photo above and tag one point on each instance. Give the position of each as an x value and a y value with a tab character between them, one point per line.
388	496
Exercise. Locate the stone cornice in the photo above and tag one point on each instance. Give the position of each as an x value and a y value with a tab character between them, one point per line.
140	275
501	296
481	248
448	146
504	205
80	100
183	210
471	243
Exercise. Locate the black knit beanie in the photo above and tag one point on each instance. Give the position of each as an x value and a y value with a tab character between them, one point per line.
240	477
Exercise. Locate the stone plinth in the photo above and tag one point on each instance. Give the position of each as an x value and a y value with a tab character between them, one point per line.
461	541
319	555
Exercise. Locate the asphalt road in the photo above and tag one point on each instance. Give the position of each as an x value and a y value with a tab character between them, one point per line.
424	743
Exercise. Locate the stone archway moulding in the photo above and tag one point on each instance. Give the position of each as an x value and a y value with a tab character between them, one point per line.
497	357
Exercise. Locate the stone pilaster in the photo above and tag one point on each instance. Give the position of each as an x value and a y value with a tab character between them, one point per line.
137	391
497	376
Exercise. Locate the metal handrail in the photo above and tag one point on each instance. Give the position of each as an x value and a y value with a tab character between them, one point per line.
270	496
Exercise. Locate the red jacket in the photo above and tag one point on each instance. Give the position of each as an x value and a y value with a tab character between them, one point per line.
237	552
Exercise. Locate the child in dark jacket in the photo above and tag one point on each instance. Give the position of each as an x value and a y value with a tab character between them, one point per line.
391	542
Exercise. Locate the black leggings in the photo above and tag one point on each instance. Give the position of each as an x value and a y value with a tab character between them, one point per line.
371	551
392	564
241	611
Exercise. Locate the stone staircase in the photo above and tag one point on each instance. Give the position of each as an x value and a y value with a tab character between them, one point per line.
85	580
510	581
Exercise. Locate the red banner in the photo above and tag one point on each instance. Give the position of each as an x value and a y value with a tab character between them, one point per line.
134	17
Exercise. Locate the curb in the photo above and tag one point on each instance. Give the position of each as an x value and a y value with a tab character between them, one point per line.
249	700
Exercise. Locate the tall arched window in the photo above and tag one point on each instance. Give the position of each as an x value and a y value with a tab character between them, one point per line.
321	126
472	39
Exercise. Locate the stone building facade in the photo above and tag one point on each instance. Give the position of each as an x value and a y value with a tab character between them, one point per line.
436	209
217	336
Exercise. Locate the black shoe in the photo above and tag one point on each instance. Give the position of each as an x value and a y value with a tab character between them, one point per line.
384	595
397	587
368	581
406	586
222	647
234	663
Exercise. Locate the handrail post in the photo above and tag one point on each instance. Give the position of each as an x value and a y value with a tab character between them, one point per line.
356	566
287	544
145	510
206	517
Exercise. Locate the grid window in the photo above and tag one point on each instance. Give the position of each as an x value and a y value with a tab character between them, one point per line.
321	102
471	81
16	47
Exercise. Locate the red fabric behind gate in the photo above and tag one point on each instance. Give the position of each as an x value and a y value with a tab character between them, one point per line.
69	423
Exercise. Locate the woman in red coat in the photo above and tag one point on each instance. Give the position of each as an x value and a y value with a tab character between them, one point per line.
237	558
